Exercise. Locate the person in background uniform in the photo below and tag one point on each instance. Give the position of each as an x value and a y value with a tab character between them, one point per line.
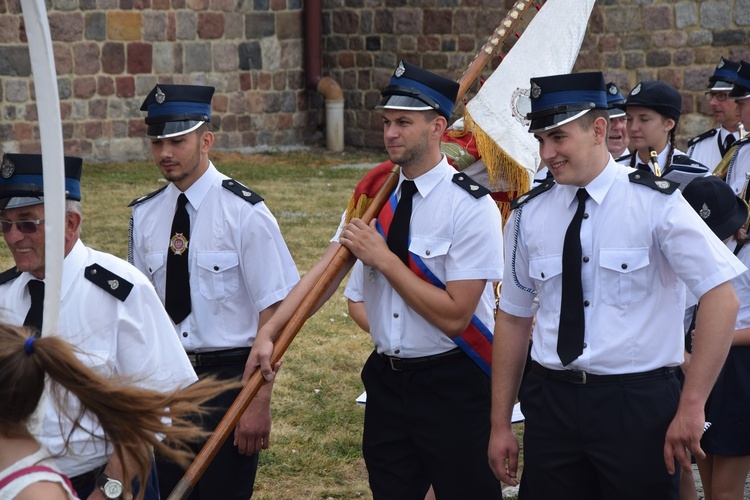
108	311
219	264
617	139
127	414
735	165
727	441
418	383
601	255
709	147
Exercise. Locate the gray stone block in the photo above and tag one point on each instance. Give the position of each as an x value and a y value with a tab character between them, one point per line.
14	61
686	14
715	15
197	57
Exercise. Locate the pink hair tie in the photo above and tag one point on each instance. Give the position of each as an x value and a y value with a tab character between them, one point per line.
29	345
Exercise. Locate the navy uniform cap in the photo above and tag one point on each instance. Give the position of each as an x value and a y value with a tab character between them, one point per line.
416	89
716	203
741	87
22	182
656	95
176	109
559	99
724	75
614	97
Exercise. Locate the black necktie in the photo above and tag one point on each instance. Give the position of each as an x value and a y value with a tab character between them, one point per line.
36	310
728	141
643	166
177	300
572	324
398	234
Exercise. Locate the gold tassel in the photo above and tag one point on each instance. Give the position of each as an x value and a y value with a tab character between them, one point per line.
503	170
357	208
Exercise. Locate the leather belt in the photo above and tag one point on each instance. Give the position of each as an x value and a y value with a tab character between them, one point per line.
219	358
406	364
581	377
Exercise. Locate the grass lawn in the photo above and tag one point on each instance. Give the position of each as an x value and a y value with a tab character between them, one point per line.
315	448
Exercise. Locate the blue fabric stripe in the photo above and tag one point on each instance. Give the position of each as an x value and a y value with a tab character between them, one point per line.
179	108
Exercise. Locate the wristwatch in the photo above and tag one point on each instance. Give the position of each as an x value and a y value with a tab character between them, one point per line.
110	487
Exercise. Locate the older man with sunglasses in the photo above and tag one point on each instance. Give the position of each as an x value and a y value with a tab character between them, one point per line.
108	310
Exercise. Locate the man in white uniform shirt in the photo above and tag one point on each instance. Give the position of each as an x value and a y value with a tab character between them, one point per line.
709	147
108	310
736	163
216	257
426	283
600	255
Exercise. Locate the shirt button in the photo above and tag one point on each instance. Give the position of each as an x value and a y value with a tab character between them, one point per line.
397	351
585	215
216	268
624	266
586	303
427	252
584	345
184	334
542	275
395	315
586	259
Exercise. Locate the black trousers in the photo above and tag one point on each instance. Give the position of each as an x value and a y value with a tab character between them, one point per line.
600	441
428	426
230	475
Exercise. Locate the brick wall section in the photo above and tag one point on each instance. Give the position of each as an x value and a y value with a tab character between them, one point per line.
110	53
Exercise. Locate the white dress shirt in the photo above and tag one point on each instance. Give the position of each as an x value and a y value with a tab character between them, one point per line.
238	261
707	151
458	237
639	246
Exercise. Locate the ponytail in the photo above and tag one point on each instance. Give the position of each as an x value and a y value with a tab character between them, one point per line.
671	148
131	417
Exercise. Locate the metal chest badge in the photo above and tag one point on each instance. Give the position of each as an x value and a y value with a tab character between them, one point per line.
178	244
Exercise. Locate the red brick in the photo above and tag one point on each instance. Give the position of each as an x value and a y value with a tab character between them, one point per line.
105	86
220	103
264	81
136	128
246	81
63	58
210	25
278	5
160	4
346	59
84	87
113	58
91	130
86	58
98	108
140	58
125	86
23	131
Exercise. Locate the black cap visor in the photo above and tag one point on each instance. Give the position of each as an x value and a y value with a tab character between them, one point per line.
165	130
739	92
549	118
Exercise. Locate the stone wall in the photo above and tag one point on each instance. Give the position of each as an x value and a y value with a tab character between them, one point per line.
110	53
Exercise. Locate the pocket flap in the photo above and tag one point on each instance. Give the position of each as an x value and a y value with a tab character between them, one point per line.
544	268
427	247
217	262
623	260
154	261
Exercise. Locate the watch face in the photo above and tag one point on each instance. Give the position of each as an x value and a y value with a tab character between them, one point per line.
112	489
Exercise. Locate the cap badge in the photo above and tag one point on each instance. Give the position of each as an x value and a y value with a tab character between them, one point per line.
113	284
536	91
662	184
705	212
636	89
160	96
7	168
612	90
400	70
178	244
721	63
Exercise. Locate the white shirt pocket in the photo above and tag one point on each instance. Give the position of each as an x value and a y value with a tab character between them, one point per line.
218	274
624	274
546	272
155	269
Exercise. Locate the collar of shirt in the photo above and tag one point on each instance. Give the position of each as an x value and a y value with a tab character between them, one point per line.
426	182
198	191
723	133
597	188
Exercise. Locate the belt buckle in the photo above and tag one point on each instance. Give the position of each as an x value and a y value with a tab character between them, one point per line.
391	360
577	377
193	360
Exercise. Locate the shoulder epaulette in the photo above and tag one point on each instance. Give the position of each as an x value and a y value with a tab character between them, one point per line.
654	182
108	281
705	135
9	275
470	185
242	191
543	187
742	142
146	197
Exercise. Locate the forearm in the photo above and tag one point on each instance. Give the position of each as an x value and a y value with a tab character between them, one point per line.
509	349
713	336
449	309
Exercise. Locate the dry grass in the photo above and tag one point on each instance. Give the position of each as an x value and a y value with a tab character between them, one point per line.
315	448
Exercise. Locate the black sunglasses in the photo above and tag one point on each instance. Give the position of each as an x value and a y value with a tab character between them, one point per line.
24	226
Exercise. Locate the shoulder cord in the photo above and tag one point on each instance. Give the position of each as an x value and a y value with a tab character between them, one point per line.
732	161
516	226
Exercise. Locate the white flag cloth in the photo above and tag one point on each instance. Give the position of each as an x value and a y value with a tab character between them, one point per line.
496	114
